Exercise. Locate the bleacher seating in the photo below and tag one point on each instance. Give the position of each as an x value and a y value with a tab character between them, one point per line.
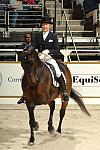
2	15
86	42
27	18
81	39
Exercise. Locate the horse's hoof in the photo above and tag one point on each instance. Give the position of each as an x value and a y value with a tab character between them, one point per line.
36	127
30	143
59	130
51	129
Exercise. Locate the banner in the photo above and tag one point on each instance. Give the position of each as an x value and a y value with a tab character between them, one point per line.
10	79
85	79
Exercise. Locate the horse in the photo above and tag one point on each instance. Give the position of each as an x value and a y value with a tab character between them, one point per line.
38	89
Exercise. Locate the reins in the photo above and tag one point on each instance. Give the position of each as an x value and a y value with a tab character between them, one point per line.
38	76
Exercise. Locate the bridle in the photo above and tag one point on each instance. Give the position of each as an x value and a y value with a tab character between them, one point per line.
39	70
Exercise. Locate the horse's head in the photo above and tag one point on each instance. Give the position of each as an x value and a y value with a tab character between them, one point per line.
30	55
30	62
29	58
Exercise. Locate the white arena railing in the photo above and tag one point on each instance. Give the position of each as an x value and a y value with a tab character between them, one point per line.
11	55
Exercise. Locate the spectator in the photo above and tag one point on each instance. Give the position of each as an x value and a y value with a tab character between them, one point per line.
66	3
78	12
90	8
31	2
33	12
27	41
79	2
15	6
90	5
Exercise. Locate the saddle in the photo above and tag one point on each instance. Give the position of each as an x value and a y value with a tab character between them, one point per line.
53	73
53	69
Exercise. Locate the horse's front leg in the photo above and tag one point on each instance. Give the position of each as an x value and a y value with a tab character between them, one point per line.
62	114
50	122
33	124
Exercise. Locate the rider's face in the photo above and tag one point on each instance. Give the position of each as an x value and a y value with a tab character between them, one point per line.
46	27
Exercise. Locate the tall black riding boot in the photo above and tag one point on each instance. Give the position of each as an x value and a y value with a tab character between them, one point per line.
63	87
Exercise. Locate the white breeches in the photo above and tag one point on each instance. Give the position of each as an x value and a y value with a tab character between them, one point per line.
54	63
50	60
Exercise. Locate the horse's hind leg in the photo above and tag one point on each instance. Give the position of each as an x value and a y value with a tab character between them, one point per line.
33	124
50	122
62	114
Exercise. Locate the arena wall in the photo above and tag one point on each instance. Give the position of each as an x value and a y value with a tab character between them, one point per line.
85	78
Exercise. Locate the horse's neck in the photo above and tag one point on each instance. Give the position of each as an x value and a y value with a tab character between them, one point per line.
40	63
39	66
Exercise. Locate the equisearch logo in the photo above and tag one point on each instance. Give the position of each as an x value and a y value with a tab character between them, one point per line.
87	80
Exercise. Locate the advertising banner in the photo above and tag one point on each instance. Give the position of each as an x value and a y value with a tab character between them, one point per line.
10	79
85	78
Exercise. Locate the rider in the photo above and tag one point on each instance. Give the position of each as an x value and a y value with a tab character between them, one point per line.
46	43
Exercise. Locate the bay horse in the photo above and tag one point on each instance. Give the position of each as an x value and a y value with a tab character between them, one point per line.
38	89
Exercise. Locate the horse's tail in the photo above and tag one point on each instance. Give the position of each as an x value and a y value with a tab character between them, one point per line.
77	97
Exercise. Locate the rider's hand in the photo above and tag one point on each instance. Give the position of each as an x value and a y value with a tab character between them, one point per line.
45	52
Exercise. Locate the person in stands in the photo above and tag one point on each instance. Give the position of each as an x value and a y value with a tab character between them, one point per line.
27	41
15	6
91	8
